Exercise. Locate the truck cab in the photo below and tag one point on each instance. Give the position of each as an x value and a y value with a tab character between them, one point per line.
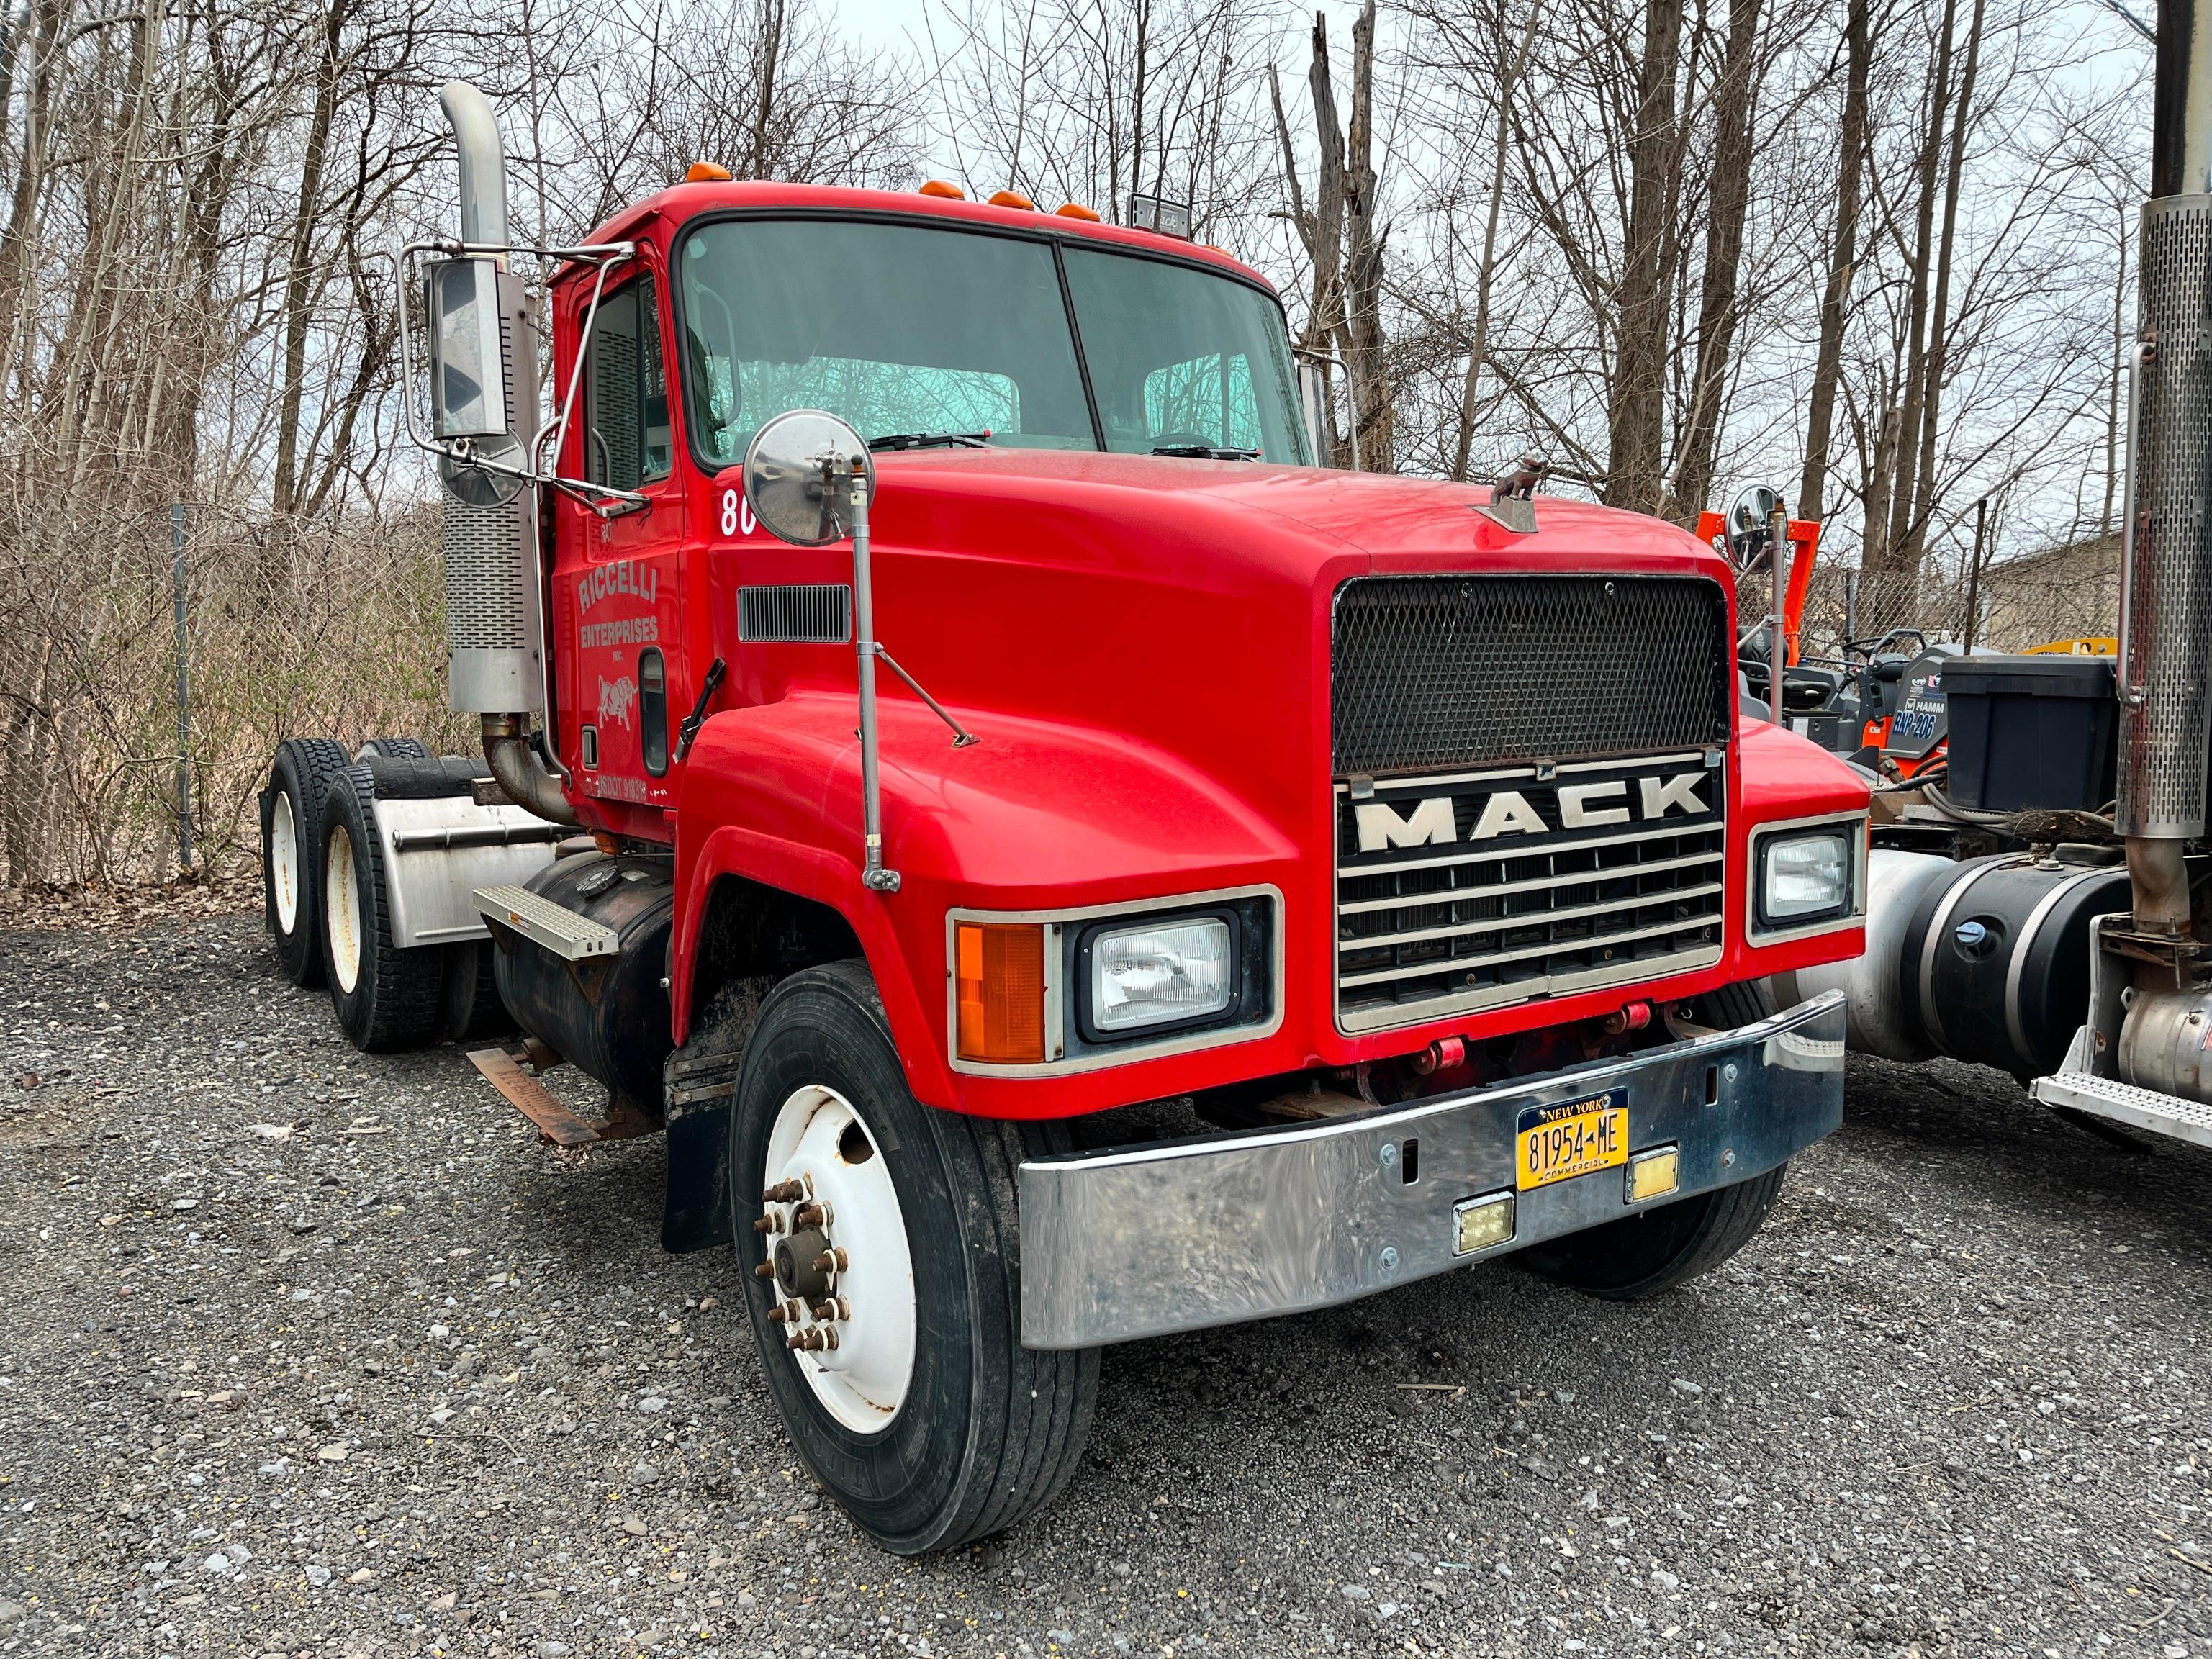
1254	886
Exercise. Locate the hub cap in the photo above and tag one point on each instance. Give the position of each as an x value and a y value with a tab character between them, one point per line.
284	862
341	909
841	1275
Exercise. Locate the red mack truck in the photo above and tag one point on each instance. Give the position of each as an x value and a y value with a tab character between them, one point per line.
1060	865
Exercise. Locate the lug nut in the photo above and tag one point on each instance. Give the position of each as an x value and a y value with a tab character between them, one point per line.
830	1261
766	1270
834	1307
810	1215
779	1313
765	1224
784	1192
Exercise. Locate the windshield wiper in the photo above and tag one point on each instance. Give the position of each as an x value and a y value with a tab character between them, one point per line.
1206	452
930	440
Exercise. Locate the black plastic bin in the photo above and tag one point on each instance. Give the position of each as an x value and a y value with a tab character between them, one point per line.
2031	731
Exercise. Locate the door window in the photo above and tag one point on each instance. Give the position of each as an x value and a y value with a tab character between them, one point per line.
627	440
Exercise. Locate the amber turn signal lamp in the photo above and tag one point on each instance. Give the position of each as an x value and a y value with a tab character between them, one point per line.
999	969
1013	199
1076	210
706	172
938	187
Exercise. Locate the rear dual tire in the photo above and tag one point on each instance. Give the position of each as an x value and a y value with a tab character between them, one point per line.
291	852
973	1431
385	996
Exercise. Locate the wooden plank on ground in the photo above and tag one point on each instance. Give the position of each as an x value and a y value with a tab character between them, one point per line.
527	1096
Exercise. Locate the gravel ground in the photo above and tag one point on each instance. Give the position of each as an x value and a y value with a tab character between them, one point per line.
307	1353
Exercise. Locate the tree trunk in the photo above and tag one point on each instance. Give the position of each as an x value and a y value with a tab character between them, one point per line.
300	282
1939	325
2115	373
1487	270
1365	348
1717	299
1636	400
1893	573
1835	303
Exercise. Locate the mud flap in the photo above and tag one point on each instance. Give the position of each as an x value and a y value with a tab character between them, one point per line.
699	1088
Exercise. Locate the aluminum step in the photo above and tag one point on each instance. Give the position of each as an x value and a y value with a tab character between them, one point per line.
2124	1102
560	930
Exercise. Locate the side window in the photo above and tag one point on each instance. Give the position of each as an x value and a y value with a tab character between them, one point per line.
627	440
1209	399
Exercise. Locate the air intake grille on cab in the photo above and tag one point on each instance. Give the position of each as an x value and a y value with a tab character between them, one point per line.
1441	672
796	613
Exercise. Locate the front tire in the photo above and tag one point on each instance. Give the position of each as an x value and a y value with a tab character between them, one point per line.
1655	1250
928	1421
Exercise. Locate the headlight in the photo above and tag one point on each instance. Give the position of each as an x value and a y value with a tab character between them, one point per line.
1160	974
1805	877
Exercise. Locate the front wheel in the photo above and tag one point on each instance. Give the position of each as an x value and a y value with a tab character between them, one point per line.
882	1255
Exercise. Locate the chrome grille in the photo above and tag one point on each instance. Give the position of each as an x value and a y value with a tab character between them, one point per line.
1434	673
1475	891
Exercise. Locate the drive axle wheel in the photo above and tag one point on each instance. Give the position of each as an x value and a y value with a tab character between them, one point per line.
386	997
864	1220
291	852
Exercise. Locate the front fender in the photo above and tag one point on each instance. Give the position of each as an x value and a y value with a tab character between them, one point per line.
1037	815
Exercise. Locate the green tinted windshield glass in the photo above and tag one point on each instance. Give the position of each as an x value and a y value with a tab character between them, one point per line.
1179	358
896	328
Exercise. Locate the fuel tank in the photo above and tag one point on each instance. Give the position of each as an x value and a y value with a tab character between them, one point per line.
1986	960
606	1015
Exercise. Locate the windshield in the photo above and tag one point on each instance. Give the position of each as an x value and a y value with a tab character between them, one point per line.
904	329
1179	359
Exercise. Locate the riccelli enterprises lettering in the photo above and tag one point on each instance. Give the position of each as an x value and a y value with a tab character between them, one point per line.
622	576
625	630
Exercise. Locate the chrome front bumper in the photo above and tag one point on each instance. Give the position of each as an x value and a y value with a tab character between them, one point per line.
1179	1234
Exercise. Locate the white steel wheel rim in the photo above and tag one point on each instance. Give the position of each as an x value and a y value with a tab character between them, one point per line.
820	1141
284	862
341	909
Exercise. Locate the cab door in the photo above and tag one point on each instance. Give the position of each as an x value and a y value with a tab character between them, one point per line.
622	600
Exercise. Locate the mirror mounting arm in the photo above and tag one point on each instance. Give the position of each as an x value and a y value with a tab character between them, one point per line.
602	499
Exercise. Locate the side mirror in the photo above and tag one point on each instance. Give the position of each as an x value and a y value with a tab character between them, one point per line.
1750	526
793	472
468	372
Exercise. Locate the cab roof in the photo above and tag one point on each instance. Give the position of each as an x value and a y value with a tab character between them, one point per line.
681	203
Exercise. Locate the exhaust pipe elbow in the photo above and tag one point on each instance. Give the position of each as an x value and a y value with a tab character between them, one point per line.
521	773
2160	879
484	165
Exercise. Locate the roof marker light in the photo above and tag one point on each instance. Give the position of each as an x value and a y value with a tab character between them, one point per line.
706	172
1076	210
938	187
1007	199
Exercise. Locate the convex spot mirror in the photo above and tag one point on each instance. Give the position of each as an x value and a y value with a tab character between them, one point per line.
799	471
468	376
1750	525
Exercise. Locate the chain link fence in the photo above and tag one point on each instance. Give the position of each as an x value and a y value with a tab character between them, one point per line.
333	628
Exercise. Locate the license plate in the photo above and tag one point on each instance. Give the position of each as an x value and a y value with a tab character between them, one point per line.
1558	1142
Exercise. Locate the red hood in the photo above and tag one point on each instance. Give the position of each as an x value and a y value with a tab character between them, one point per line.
1384	517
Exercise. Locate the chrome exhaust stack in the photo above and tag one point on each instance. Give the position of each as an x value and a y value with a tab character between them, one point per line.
494	589
2145	1055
